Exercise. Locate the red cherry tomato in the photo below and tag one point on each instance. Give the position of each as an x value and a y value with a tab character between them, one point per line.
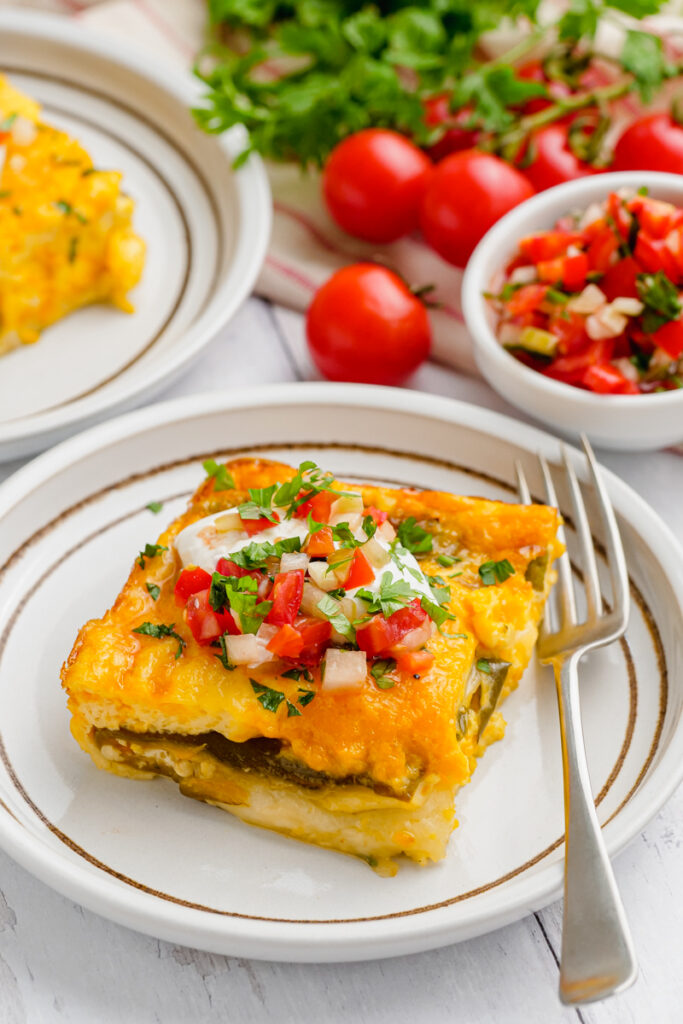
365	325
553	161
455	139
190	582
286	596
466	194
373	183
653	143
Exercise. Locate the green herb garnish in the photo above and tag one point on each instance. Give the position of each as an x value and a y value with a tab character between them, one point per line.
484	665
222	478
155	506
447	560
392	596
259	504
436	611
240	593
495	572
160	630
223	656
153	590
661	300
149	551
413	537
256	554
330	609
379	673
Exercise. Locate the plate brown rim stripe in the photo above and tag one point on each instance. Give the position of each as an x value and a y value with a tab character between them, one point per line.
654	633
138	116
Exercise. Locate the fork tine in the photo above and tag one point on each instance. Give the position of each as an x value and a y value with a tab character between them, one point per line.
616	559
591	580
522	485
564	566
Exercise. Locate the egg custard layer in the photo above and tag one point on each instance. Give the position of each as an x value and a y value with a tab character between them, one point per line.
66	235
323	659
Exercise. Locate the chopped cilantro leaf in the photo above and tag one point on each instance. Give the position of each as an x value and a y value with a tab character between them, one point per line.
661	300
330	609
306	696
7	122
155	506
256	554
413	537
222	479
292	709
67	209
484	665
241	596
223	656
380	673
313	525
447	560
435	611
153	590
267	698
393	595
160	630
495	572
149	551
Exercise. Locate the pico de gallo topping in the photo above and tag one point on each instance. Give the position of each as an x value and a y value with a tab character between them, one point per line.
597	302
305	573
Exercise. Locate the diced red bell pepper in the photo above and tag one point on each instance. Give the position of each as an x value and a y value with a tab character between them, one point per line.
287	642
253	526
526	299
321	543
319	507
414	663
360	573
315	634
286	596
376	514
206	624
605	379
548	245
190	582
620	279
670	338
380	634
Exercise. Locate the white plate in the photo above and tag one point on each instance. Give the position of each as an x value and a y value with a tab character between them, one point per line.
205	224
142	854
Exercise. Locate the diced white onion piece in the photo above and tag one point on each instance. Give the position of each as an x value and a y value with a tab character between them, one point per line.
23	131
340	562
321	576
589	301
228	521
573	250
292	560
376	554
508	334
628	369
348	608
627	305
266	632
590	215
386	531
345	505
606	323
247	649
353	519
310	599
523	275
417	637
344	669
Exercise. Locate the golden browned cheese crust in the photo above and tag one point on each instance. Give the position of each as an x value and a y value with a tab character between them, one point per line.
394	739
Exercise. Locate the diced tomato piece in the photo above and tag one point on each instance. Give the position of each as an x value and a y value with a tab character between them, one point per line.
570	369
619	214
315	634
361	572
601	249
656	218
653	255
376	514
286	596
527	299
380	634
287	642
253	526
570	271
414	663
620	279
670	338
189	582
319	507
673	243
226	567
206	624
548	245
321	543
570	331
608	380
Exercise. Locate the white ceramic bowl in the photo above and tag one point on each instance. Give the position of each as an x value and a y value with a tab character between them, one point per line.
612	421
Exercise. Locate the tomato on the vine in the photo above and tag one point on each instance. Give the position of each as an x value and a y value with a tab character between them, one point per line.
373	184
552	160
455	138
466	194
653	143
365	325
533	71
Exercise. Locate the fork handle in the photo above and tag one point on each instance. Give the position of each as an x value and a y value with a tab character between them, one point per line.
598	958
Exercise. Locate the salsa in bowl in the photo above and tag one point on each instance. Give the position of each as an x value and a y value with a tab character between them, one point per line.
574	301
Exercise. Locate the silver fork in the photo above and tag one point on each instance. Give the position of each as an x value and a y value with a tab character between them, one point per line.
598	958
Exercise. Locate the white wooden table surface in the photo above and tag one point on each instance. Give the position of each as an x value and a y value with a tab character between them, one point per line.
61	963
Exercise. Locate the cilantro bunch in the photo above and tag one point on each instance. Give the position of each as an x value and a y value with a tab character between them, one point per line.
304	74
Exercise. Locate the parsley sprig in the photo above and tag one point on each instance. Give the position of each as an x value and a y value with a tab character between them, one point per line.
660	298
272	699
414	537
160	630
391	597
240	594
149	551
222	478
495	572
